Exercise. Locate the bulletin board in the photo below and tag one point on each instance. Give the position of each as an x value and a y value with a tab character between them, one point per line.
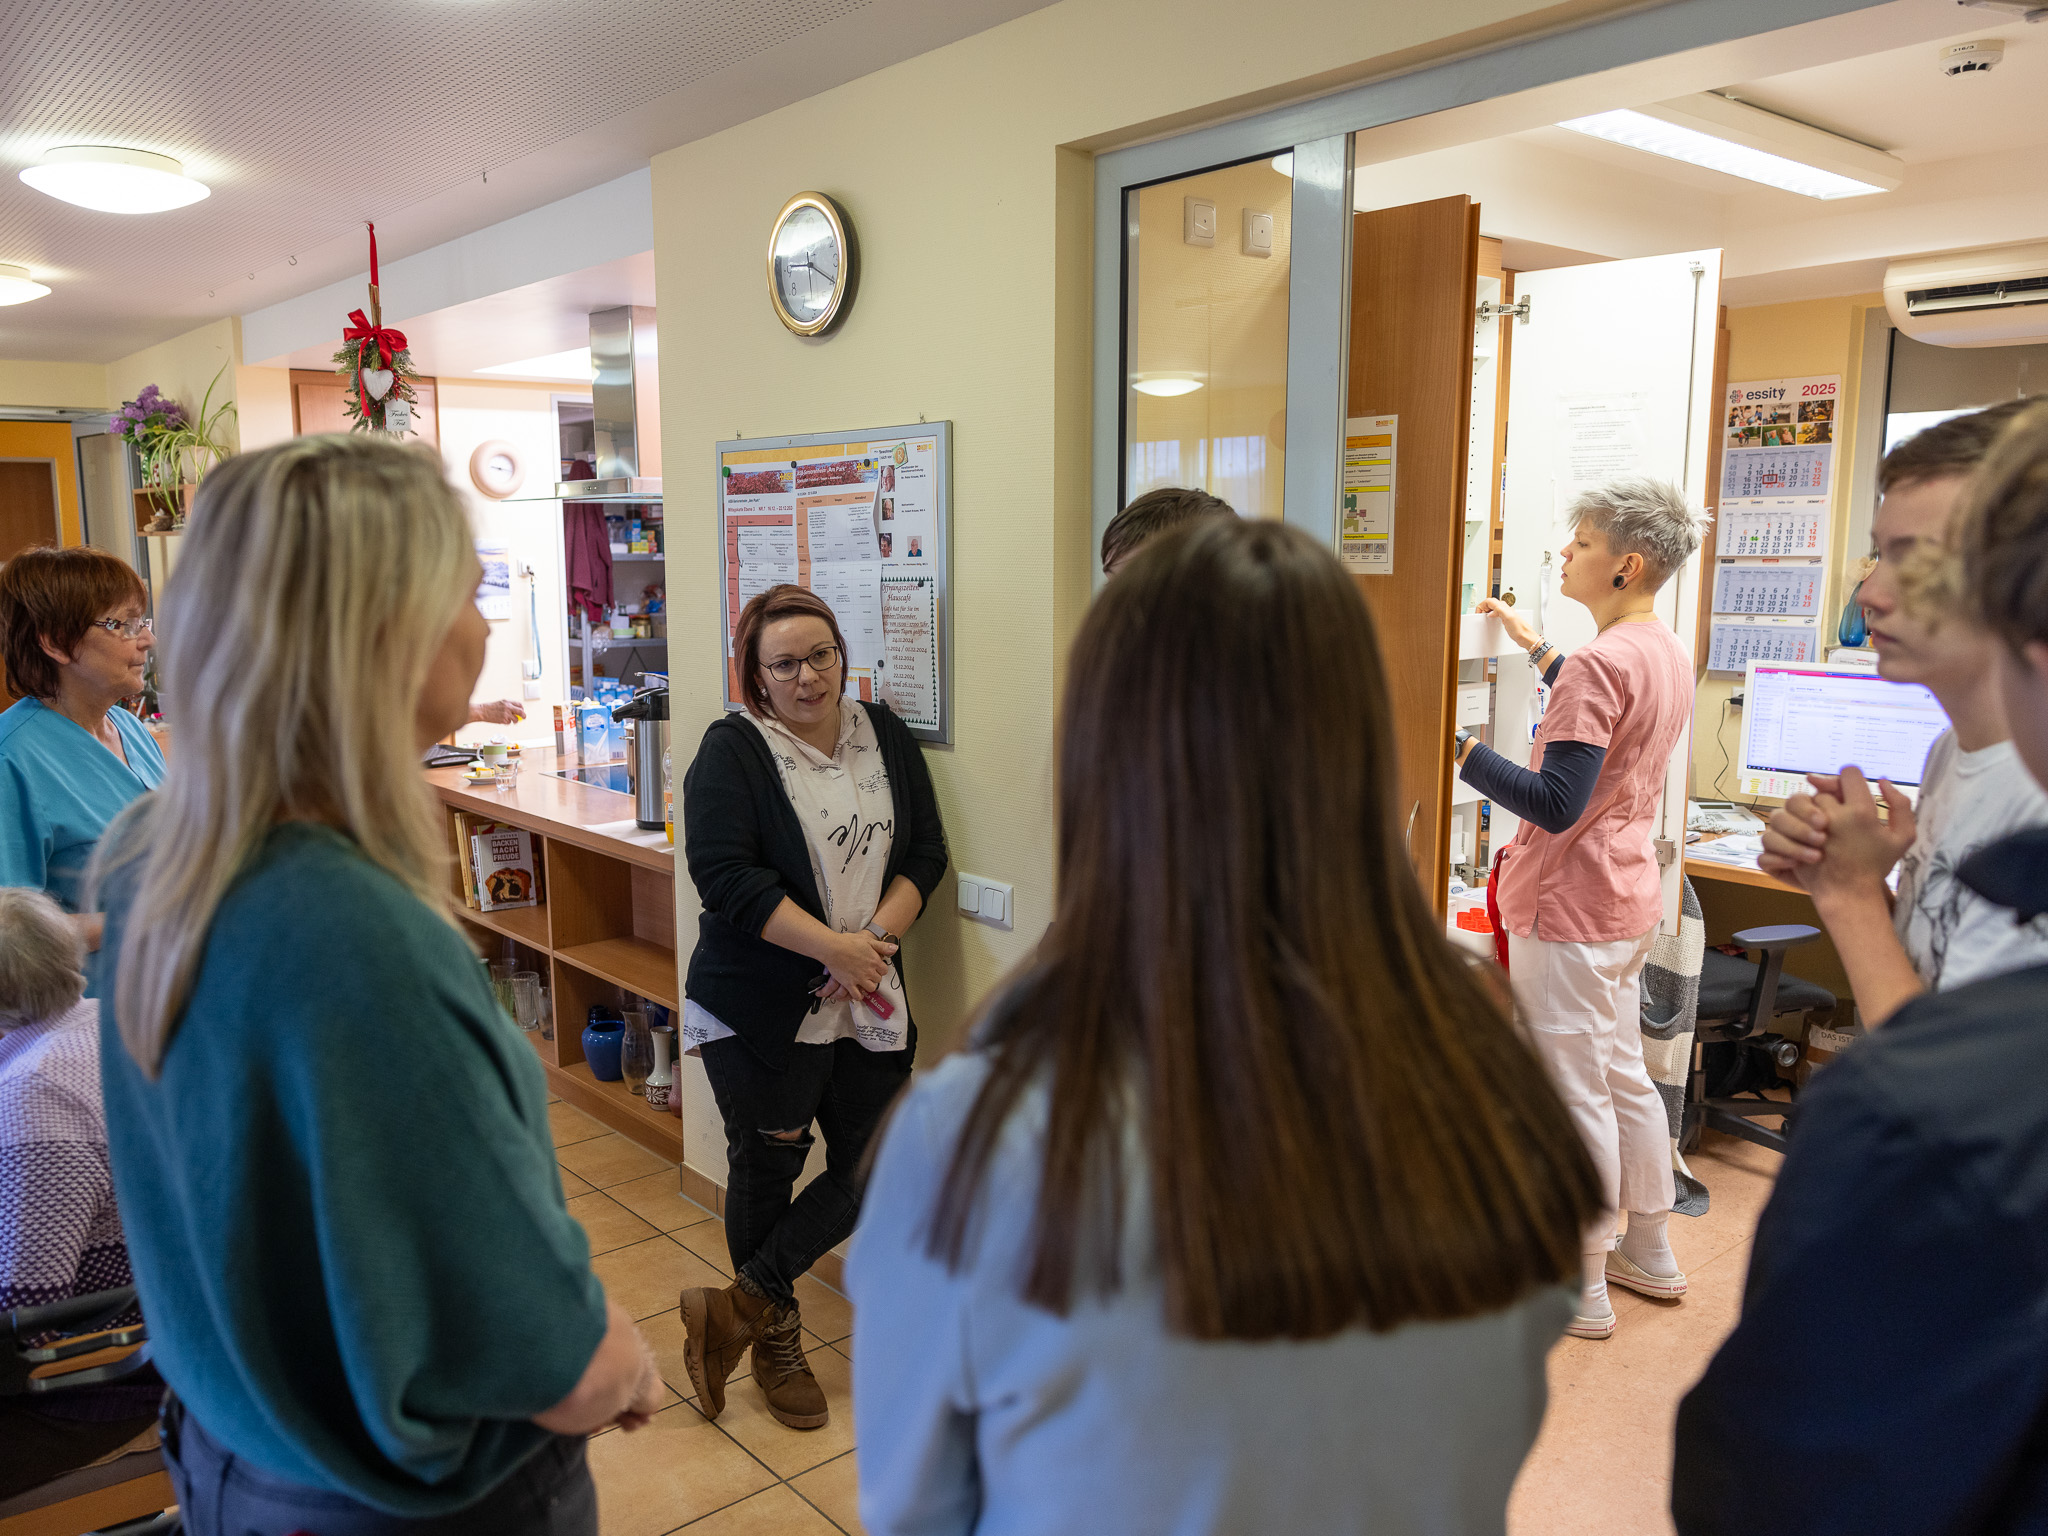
863	519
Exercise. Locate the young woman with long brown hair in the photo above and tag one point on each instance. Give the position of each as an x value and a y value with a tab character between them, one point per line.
1249	1210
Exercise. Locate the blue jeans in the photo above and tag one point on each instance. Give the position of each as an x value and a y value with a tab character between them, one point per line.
221	1494
844	1087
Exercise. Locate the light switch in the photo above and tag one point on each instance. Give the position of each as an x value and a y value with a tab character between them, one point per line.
1258	233
992	901
1198	221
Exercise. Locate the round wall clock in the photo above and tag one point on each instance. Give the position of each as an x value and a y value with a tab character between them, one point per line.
495	469
812	264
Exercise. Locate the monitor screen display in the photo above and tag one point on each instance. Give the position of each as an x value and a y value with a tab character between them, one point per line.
1800	720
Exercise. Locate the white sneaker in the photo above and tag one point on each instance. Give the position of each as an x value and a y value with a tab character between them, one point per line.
1591	1327
1622	1270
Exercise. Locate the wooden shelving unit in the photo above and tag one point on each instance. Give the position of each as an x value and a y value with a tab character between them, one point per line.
606	922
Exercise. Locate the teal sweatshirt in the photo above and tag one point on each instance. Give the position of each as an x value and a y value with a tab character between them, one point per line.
341	1197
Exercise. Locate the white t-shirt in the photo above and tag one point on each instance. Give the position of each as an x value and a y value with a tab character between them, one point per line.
1967	800
848	813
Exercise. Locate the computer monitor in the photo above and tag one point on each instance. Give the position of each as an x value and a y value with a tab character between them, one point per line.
1801	719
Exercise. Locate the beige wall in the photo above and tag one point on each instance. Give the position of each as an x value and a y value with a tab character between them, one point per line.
964	174
1774	341
24	382
183	368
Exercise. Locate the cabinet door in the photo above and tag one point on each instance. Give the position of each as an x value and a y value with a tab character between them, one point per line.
1414	272
319	405
1612	373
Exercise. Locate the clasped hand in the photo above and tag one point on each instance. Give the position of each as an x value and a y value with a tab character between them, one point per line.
1832	841
858	962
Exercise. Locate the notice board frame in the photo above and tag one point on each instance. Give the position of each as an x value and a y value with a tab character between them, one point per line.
941	733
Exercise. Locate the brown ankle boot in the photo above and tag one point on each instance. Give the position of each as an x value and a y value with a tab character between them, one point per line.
785	1378
718	1327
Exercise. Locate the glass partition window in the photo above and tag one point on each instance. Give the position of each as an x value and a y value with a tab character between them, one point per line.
1929	384
1205	397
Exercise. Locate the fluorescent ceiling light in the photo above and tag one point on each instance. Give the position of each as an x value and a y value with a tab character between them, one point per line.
114	180
1166	385
1737	140
17	287
573	365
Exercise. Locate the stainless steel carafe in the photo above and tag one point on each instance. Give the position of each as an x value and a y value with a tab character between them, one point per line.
646	717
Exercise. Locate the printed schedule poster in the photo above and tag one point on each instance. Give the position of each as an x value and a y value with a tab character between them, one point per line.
1365	528
1777	455
859	523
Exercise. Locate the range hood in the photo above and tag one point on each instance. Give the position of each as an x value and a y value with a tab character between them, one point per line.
625	397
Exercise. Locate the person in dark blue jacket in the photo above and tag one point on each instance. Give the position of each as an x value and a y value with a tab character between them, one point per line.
1890	1371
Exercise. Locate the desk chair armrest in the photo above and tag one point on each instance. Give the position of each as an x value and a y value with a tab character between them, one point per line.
100	1307
1773	940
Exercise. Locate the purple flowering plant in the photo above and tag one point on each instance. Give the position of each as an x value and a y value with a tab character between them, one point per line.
147	415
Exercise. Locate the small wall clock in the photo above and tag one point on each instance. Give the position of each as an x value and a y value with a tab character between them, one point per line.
813	264
495	469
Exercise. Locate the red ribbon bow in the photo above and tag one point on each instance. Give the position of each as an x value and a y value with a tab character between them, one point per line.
361	332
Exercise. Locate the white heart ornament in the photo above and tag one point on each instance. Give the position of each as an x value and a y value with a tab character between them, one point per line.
377	382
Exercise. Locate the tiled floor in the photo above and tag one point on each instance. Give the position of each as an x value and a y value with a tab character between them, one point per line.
745	1475
1600	1468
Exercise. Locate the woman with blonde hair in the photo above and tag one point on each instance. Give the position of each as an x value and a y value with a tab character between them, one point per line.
1249	1209
372	1308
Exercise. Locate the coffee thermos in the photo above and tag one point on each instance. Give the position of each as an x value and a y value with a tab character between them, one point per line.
646	717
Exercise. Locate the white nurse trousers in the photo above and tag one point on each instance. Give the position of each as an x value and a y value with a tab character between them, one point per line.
1584	1013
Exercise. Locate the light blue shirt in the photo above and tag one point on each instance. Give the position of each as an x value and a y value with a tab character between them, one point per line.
980	1413
59	787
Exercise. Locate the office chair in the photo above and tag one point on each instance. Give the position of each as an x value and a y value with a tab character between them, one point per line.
1736	1053
131	1487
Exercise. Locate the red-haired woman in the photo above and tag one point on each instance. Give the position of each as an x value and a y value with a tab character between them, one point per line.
1249	1209
75	635
814	839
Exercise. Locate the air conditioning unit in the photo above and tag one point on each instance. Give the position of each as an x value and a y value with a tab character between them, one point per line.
1997	297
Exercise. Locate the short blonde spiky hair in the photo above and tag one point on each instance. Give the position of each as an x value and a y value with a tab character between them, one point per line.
1641	516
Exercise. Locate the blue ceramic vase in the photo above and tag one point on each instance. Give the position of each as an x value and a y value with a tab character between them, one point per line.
601	1040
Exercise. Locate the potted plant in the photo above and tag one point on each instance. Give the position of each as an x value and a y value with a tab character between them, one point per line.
176	448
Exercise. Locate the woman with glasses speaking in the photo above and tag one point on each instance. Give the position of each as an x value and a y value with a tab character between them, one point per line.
814	840
75	638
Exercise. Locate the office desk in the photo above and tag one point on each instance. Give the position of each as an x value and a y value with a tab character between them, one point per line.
1733	898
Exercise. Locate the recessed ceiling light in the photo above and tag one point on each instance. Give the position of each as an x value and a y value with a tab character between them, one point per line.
17	287
1167	384
115	180
573	366
1740	140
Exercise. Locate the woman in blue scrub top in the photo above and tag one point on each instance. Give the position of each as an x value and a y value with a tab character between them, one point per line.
74	636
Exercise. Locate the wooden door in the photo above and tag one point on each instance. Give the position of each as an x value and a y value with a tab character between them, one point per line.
318	405
1414	273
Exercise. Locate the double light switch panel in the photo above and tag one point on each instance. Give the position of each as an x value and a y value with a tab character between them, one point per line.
990	901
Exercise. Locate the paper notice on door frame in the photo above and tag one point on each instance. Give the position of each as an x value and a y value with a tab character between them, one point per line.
1365	520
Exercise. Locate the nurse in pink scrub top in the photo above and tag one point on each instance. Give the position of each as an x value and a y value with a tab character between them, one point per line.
1578	888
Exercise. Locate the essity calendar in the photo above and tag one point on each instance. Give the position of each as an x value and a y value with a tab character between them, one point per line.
1775	589
1733	643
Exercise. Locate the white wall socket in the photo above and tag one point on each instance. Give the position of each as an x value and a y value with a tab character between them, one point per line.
1258	233
1198	221
989	901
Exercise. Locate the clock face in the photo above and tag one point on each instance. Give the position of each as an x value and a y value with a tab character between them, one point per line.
807	265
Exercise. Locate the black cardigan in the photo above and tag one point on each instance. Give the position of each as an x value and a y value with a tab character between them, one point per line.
746	852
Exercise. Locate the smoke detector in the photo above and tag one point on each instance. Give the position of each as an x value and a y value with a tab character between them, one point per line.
1971	58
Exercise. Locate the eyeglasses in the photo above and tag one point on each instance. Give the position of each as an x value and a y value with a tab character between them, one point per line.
126	629
820	661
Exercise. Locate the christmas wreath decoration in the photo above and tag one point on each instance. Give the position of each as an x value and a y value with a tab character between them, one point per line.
376	366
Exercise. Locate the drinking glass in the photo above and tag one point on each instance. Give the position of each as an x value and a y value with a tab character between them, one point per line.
526	999
502	972
636	1051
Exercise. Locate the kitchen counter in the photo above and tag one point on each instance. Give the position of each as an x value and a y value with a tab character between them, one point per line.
598	819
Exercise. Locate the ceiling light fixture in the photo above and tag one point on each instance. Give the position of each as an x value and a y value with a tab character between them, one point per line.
1167	385
17	287
110	180
1284	164
1740	140
571	366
